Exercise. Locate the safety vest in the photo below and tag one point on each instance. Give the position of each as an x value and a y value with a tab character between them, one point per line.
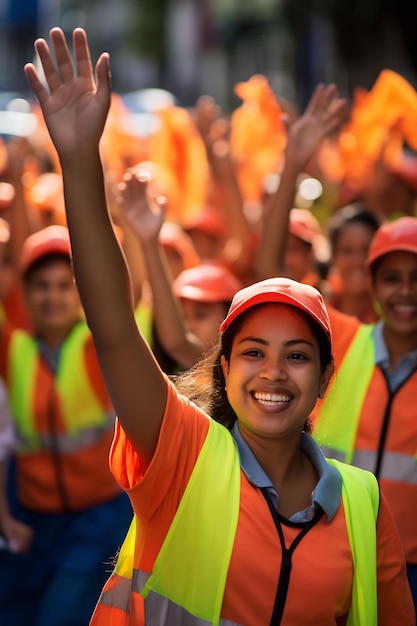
82	411
64	429
188	578
345	398
362	423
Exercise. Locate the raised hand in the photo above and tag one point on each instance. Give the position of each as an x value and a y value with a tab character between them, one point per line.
73	102
324	114
143	208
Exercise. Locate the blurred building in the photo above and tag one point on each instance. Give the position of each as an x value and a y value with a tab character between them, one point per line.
195	47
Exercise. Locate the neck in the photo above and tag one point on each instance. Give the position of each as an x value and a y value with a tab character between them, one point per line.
54	337
398	345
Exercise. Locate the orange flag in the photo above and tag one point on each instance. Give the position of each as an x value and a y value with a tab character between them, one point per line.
258	136
179	151
381	121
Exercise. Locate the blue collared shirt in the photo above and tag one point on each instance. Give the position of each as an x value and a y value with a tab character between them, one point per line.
327	492
407	364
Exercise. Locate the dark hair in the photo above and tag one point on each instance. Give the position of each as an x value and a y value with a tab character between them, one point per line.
205	384
44	261
355	213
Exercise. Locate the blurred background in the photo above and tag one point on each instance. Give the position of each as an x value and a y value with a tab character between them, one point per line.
195	47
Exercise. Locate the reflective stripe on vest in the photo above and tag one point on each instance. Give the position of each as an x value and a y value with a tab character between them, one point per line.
82	411
333	431
360	493
188	579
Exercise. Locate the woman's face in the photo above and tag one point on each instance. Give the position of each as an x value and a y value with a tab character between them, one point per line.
273	377
349	257
395	290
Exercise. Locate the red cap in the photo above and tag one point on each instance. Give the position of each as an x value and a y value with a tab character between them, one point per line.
399	235
281	290
303	224
50	240
207	221
173	236
206	283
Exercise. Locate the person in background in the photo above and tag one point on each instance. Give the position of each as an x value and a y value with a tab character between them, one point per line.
61	487
214	501
188	309
369	416
350	231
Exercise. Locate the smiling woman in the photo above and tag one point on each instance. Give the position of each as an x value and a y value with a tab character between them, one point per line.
376	381
213	505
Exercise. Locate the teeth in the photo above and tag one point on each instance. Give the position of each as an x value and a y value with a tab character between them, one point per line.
271	397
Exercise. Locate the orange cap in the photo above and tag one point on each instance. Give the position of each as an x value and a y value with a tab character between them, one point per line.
50	240
280	290
401	234
206	283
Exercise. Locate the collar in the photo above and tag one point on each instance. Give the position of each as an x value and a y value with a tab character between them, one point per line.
327	492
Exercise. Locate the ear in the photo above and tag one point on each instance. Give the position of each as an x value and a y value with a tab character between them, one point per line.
225	367
325	379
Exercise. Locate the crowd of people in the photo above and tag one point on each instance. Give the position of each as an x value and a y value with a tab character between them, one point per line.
206	372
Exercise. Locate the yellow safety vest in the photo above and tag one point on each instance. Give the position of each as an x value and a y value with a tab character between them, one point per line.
81	409
339	414
207	516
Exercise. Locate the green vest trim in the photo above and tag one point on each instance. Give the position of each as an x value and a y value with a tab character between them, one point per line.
81	408
204	512
341	409
360	493
144	318
201	563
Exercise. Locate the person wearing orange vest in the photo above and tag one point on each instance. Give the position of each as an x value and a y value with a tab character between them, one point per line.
63	491
369	417
239	519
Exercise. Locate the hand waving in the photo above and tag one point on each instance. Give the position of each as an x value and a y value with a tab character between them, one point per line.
143	208
324	114
74	105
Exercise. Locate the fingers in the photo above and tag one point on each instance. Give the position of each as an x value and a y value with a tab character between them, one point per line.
62	55
82	53
36	85
52	77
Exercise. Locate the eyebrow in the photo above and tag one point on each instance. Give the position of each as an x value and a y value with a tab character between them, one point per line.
263	342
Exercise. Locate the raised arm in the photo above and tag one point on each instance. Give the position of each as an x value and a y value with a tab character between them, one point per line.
324	113
75	105
145	215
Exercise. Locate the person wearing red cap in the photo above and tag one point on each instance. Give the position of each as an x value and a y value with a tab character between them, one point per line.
369	417
65	514
187	309
350	231
238	516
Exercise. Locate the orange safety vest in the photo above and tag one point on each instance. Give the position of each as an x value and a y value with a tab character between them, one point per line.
361	422
64	428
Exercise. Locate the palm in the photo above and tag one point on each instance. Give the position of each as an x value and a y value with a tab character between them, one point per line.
325	112
145	220
74	109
